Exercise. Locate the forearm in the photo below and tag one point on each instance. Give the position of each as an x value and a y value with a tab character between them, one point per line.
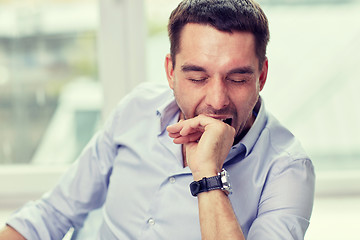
8	233
207	142
217	218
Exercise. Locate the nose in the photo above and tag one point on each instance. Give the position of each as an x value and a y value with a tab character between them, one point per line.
217	94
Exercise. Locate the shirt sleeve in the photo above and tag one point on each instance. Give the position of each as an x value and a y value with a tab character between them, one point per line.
286	203
81	189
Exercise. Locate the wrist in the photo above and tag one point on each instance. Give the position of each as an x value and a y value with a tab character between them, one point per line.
197	176
219	181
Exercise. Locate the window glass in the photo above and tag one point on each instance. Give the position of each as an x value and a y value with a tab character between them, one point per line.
50	96
312	85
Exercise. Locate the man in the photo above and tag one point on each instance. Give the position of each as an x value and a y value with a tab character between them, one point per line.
159	141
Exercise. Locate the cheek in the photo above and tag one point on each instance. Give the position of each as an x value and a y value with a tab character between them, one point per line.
184	98
191	101
245	100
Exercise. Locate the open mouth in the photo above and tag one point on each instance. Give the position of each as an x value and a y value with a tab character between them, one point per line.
227	121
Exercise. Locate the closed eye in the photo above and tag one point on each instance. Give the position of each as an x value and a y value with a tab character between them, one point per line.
236	80
197	79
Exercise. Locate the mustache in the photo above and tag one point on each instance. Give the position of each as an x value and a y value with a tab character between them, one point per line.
212	111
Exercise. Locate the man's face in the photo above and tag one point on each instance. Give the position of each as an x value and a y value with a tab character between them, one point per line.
216	74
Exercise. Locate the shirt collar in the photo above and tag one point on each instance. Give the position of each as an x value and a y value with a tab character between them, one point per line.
253	134
246	144
167	112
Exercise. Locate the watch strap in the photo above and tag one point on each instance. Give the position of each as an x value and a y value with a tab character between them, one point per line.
205	184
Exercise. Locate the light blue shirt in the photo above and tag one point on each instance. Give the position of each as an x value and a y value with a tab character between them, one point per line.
134	170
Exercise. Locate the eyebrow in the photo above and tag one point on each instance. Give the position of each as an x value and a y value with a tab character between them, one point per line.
242	70
192	68
239	70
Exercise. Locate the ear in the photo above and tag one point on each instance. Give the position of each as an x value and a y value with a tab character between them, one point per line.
263	74
169	70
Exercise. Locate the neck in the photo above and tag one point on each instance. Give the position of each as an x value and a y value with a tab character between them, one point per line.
249	122
245	129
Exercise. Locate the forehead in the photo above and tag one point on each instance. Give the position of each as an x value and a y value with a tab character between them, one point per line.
206	44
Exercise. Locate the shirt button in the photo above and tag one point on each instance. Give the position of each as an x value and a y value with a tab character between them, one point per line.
151	221
172	180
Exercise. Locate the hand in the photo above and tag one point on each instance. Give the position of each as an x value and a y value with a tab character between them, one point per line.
8	233
207	142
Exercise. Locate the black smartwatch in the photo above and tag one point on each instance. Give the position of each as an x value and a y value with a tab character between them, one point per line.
221	181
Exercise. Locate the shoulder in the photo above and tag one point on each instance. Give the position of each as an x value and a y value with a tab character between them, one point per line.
146	96
286	150
281	139
147	91
151	88
138	105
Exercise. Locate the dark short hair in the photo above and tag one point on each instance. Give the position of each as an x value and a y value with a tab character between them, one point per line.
224	15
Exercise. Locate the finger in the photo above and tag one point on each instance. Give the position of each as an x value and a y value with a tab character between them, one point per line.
184	127
181	140
219	126
190	128
175	128
195	137
196	124
174	135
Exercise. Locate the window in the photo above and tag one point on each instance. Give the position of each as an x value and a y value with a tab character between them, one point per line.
49	89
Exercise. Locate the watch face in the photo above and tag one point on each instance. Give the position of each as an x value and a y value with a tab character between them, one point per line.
225	179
